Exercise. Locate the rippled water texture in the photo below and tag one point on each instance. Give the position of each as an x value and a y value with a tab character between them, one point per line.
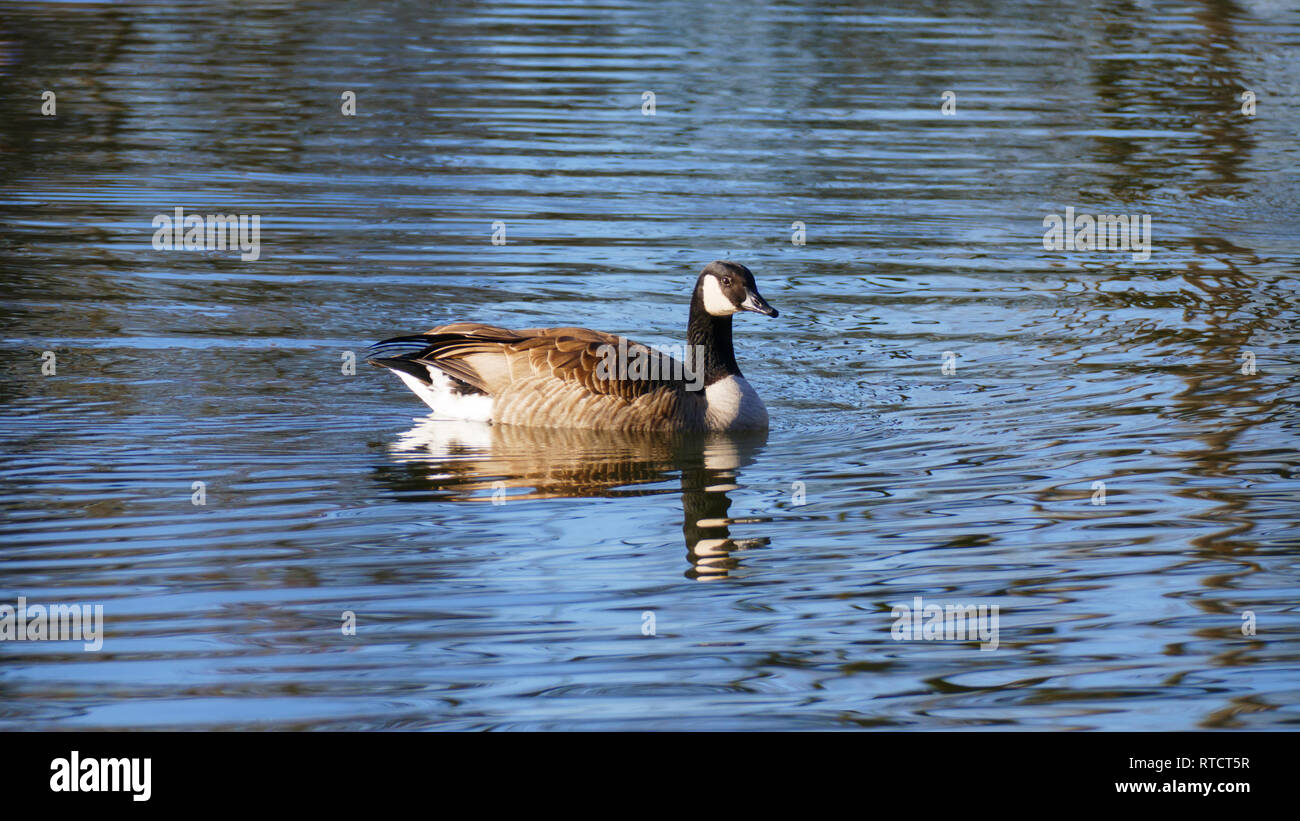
767	566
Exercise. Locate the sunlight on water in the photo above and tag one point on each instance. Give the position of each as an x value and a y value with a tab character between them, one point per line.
1102	446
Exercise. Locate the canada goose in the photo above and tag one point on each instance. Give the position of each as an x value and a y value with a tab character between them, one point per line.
577	378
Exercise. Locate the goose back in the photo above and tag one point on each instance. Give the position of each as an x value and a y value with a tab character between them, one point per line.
554	377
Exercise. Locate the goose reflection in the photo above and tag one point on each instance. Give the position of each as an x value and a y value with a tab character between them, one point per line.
476	462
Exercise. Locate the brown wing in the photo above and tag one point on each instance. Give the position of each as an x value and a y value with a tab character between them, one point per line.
492	359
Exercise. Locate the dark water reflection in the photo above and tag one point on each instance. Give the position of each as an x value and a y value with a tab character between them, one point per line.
461	461
882	478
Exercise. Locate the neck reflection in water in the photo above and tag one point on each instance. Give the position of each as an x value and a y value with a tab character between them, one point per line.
475	462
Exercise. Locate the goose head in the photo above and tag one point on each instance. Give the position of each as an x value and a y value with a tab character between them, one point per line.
727	288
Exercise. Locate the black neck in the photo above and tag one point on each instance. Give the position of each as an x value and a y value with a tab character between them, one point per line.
713	336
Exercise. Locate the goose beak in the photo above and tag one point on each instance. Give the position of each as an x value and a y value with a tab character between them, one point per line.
754	302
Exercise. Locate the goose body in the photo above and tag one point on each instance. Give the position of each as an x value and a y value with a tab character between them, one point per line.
580	378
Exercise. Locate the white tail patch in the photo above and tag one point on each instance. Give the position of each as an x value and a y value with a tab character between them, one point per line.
442	397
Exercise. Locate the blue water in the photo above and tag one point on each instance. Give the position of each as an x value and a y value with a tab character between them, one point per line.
768	566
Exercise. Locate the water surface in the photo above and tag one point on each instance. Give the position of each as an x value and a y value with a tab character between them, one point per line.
770	563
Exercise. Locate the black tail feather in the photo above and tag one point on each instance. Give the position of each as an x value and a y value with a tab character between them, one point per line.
415	354
398	346
406	366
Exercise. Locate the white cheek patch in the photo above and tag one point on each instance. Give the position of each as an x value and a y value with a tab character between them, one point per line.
716	302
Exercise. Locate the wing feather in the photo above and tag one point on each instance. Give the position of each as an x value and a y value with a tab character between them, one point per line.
555	376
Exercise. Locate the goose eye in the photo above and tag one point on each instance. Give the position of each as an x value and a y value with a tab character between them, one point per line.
726	281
